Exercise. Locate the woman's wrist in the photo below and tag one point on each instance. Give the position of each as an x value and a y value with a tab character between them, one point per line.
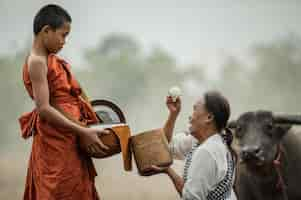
173	115
168	171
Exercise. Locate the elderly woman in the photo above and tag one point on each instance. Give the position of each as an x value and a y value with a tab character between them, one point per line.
209	170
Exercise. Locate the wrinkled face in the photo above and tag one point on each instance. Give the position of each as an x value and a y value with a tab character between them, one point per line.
54	40
258	137
199	118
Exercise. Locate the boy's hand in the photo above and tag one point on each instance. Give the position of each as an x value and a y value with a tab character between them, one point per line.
173	107
91	142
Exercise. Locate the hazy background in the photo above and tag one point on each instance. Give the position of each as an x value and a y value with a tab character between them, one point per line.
133	51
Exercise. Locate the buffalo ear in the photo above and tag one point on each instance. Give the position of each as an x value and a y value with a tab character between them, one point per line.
282	129
232	124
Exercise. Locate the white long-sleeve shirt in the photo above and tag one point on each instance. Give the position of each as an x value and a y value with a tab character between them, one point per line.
208	166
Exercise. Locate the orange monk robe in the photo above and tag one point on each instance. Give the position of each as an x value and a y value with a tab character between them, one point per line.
58	169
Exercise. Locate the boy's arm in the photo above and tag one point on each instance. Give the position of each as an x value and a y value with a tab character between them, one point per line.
174	109
38	75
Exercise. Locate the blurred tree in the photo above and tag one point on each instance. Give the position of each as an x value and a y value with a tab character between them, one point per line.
119	44
277	75
12	94
115	68
138	81
273	81
235	83
119	69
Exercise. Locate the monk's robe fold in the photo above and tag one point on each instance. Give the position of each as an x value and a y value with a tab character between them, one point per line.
58	169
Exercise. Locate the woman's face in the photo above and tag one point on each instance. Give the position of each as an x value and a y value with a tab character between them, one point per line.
199	119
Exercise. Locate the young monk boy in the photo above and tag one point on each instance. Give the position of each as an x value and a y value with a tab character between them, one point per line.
59	168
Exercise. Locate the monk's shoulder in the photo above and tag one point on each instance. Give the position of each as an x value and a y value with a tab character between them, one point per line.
37	65
34	60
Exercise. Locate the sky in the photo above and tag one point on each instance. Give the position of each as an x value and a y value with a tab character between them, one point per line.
193	31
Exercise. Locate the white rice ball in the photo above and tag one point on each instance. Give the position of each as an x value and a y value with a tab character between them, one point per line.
174	92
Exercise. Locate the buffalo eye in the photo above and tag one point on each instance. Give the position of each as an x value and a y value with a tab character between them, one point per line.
238	131
269	129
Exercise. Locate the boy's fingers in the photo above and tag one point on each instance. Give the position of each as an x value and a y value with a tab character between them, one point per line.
106	131
98	149
91	149
103	132
102	145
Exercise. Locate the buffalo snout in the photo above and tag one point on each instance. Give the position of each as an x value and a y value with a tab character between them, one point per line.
251	153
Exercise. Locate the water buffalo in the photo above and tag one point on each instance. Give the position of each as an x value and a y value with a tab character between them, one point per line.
269	150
